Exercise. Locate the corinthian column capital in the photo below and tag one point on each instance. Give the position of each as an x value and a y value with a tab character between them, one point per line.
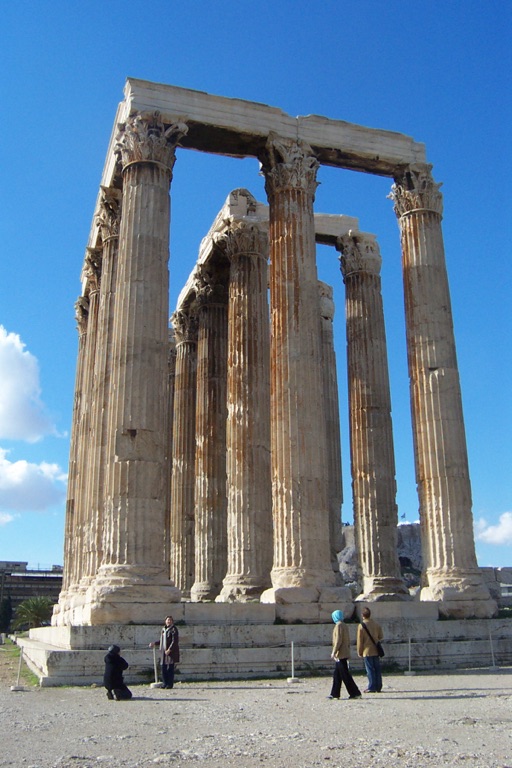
109	214
210	288
415	190
92	267
82	313
244	239
359	253
185	326
289	164
147	140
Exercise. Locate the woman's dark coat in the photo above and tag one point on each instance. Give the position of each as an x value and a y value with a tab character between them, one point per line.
114	668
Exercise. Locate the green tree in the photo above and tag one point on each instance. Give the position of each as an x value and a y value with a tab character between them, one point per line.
33	612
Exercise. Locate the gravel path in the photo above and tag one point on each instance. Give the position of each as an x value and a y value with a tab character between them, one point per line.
425	721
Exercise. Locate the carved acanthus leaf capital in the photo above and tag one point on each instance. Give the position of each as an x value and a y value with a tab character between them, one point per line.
359	253
415	190
210	288
146	139
92	267
171	351
82	313
185	325
325	294
243	239
289	164
109	214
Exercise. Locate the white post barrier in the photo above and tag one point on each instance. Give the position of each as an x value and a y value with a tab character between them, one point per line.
493	665
409	672
293	679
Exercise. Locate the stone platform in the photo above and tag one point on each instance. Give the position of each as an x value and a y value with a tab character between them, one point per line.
240	641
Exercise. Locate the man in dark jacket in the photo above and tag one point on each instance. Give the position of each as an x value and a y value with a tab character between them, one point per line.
113	676
169	650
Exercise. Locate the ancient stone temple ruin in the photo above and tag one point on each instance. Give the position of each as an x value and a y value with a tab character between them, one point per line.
205	458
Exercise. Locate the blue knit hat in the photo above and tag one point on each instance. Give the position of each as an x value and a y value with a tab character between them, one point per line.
337	616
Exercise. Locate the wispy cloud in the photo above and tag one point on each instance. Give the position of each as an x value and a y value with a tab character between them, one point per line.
499	534
28	487
23	415
5	518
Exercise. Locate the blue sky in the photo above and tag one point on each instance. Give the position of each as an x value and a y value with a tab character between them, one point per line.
438	71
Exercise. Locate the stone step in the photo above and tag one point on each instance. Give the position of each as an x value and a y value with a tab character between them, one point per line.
249	651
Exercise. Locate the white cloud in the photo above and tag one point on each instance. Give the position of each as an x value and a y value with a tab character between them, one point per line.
22	413
495	534
5	518
29	487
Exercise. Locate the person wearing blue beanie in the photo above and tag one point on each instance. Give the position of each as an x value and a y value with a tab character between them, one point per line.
341	654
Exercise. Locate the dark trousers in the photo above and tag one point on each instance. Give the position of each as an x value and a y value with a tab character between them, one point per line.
341	675
121	693
168	674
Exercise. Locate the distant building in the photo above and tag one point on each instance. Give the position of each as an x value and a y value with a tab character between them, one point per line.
18	583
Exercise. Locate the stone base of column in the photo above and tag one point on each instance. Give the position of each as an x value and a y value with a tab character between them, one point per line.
293	595
240	589
383	588
203	591
126	594
460	594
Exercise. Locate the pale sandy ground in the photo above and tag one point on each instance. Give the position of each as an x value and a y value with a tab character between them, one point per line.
429	720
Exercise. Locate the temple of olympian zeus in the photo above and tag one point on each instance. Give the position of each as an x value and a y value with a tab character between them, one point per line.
205	454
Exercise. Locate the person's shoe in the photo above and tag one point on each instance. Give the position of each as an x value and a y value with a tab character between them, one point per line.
355	696
369	690
333	697
109	696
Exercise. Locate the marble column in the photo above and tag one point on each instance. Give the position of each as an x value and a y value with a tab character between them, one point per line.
371	433
442	472
332	424
70	576
182	519
92	275
299	461
169	432
132	584
108	220
249	512
210	490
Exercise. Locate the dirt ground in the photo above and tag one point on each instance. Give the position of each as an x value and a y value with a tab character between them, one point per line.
428	720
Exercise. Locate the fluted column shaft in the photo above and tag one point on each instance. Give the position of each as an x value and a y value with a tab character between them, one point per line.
169	432
332	424
299	462
92	273
92	269
108	222
133	550
210	490
442	472
249	512
182	521
70	575
371	434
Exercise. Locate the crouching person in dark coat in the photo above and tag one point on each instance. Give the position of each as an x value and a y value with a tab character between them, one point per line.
113	676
